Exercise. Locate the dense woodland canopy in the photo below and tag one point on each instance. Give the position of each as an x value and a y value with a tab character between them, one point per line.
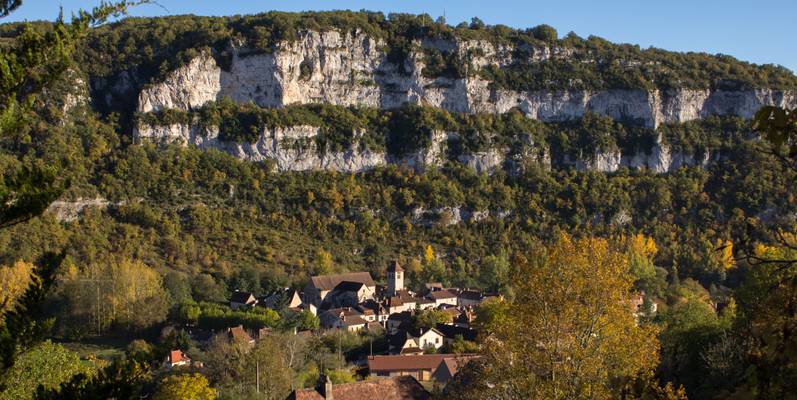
184	227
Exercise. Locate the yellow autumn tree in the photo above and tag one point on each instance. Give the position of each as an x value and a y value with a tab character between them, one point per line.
127	293
640	251
570	333
185	387
14	280
428	254
718	256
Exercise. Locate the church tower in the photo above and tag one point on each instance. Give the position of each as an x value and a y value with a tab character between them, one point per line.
395	278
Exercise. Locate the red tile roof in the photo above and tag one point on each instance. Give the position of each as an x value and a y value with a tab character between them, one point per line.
396	388
239	334
406	363
442	294
176	356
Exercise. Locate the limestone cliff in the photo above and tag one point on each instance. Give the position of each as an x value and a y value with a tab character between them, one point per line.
294	149
353	69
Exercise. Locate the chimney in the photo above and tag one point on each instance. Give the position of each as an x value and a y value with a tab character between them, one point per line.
324	386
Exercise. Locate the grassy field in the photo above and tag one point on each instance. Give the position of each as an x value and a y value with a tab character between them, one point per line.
99	348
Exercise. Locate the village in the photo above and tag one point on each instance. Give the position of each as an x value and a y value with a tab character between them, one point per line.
426	336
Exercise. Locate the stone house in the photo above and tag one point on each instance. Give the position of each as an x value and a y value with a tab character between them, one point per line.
421	367
317	289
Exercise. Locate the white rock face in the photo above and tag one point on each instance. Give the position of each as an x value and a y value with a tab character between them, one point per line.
185	88
294	149
352	69
487	161
291	149
68	211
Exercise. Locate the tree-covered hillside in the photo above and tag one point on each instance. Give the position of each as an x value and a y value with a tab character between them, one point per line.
147	242
158	45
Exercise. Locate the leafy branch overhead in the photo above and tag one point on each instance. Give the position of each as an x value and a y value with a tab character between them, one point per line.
779	126
35	61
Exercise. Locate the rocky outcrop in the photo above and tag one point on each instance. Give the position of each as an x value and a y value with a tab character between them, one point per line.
188	87
352	69
290	149
68	211
294	149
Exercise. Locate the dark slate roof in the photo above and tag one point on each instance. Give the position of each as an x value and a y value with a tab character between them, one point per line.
402	316
451	331
395	388
349	286
240	297
471	295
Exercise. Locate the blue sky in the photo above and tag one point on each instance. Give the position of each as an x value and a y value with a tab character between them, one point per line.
759	31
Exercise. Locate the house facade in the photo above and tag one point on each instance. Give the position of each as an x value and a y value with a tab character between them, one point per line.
319	287
421	367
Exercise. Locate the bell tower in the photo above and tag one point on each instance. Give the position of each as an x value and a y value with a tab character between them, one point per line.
395	278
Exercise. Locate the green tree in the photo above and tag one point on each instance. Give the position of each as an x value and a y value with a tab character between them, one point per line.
178	287
269	357
45	364
494	272
768	316
430	317
31	63
306	321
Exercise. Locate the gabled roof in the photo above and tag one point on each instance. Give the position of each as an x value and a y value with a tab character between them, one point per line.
418	332
451	331
241	297
372	306
442	294
349	286
345	312
470	295
450	366
433	285
238	333
395	388
406	363
414	350
176	356
328	282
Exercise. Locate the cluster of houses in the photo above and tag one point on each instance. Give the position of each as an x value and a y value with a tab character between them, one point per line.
353	302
